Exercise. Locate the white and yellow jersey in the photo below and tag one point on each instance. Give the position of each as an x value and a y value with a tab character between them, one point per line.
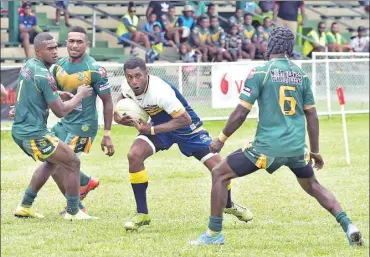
163	102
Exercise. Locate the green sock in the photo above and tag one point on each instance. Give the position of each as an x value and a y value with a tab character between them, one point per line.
72	204
28	198
84	179
214	225
343	220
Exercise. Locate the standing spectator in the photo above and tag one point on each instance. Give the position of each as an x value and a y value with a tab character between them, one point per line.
28	28
189	55
157	44
200	38
248	6
218	38
211	11
318	41
249	36
160	8
149	25
127	30
336	43
62	5
267	8
186	22
171	26
286	14
234	44
361	42
199	7
237	19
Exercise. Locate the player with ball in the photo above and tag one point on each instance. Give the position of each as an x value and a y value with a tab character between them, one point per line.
173	121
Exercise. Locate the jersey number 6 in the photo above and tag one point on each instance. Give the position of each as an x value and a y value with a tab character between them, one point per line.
291	101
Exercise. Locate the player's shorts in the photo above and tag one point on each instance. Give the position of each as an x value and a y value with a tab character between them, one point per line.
124	36
196	145
78	144
250	160
63	4
39	148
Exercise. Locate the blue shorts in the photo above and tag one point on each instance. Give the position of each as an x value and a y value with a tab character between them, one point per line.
64	4
124	36
196	144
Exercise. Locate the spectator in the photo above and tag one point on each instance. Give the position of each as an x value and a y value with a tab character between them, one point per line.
248	6
286	14
127	30
21	10
234	44
189	55
62	5
157	43
149	25
211	11
199	7
200	38
361	42
186	22
249	36
218	38
267	28
366	5
318	41
171	26
28	28
160	8
336	43
237	19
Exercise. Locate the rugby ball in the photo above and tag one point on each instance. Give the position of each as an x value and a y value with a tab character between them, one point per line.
131	108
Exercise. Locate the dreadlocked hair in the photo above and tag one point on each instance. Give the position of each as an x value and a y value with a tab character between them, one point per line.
280	41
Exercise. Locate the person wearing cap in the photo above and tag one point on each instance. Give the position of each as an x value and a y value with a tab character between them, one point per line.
186	22
361	42
28	28
336	42
317	40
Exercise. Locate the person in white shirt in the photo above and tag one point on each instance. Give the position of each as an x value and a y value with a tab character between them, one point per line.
361	42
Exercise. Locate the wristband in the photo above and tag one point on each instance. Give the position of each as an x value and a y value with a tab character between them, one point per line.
107	133
222	137
152	131
315	153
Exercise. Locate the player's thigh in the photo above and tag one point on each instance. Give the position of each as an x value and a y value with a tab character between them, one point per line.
63	155
300	167
240	163
147	145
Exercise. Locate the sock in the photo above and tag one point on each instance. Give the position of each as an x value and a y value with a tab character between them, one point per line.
139	183
72	204
28	198
214	225
229	203
84	179
343	220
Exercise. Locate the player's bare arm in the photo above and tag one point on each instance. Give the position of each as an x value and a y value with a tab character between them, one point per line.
313	134
61	109
106	142
65	96
234	122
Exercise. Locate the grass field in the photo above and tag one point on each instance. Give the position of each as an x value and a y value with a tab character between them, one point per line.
286	221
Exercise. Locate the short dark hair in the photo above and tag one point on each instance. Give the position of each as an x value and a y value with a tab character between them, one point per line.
78	29
213	17
202	18
321	23
26	4
157	25
248	14
41	37
264	19
211	5
334	23
134	63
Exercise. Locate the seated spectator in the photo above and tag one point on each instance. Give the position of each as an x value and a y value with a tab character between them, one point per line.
62	5
199	8
234	44
127	30
149	25
361	42
171	26
249	36
248	6
237	19
157	43
318	41
186	22
28	28
263	34
267	28
211	11
200	38
160	8
286	14
21	10
336	43
189	55
218	38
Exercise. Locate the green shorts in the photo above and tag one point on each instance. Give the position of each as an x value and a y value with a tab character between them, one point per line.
39	148
271	164
76	143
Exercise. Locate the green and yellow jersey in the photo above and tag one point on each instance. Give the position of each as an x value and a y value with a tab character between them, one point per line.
36	89
283	92
202	34
217	36
83	120
249	33
335	38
